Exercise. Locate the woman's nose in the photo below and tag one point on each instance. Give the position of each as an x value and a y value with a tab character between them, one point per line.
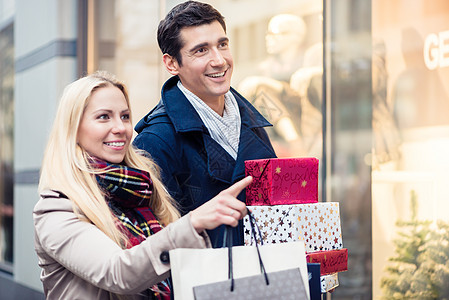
118	126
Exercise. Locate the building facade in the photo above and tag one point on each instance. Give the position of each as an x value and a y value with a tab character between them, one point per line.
357	83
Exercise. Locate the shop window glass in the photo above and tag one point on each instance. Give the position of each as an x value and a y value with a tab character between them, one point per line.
411	146
348	122
6	144
277	56
278	66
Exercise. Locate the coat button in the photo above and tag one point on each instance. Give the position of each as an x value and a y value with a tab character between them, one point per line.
165	258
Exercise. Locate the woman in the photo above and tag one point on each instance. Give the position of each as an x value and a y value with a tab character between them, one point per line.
102	203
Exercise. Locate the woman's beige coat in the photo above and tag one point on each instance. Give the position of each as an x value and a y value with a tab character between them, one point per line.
79	261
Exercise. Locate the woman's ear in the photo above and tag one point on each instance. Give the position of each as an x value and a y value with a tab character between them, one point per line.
171	64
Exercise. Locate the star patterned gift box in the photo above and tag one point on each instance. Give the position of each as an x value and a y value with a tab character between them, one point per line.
317	224
280	181
329	282
330	261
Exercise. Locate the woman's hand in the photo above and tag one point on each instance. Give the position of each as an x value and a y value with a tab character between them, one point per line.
224	208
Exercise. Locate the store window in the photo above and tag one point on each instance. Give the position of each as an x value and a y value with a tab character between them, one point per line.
277	56
410	161
349	136
6	145
278	51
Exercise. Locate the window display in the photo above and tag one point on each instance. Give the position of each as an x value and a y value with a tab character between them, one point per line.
411	127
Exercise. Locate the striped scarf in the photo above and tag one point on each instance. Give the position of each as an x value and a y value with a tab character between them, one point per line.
128	192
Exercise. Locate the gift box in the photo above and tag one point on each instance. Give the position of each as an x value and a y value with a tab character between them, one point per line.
281	181
317	224
329	282
330	261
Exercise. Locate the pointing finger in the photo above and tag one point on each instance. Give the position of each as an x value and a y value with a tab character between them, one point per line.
237	187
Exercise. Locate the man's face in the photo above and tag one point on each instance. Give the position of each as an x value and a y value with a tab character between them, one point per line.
206	61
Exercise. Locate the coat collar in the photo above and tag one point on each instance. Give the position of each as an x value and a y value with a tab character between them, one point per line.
185	118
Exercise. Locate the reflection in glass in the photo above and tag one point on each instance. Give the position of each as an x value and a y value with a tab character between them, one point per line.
6	143
418	93
349	137
287	87
387	140
409	186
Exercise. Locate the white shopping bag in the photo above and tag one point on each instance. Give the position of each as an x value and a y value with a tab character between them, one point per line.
194	267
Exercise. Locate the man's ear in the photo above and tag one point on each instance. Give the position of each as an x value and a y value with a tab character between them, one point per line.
171	64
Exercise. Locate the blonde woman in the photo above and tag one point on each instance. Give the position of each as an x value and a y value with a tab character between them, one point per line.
104	223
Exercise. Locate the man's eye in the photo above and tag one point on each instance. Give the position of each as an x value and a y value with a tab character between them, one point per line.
224	45
201	50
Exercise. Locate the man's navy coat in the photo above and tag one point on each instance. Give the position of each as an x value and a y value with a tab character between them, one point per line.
194	167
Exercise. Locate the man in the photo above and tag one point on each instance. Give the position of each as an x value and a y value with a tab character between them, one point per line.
202	131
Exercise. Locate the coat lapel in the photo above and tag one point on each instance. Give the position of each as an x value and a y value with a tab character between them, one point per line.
220	163
251	147
221	166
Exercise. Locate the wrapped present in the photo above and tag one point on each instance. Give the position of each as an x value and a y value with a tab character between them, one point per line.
281	181
329	282
330	261
317	224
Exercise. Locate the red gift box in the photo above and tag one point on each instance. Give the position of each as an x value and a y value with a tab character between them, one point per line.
280	181
331	261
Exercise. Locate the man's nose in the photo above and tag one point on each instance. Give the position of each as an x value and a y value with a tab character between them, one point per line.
217	58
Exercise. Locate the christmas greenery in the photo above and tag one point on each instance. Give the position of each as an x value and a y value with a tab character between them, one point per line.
420	267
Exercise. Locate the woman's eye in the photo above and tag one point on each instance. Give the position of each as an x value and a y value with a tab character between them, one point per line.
103	117
125	117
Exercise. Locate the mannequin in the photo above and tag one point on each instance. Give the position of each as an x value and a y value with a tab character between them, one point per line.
307	82
272	92
284	44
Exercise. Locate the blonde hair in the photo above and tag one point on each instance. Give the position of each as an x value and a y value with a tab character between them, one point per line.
66	168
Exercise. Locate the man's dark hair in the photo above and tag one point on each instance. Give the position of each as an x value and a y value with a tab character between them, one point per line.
187	14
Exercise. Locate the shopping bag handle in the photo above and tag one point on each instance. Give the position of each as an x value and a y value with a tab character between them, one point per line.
254	226
227	236
228	243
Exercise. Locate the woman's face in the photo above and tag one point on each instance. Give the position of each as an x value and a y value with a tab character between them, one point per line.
105	130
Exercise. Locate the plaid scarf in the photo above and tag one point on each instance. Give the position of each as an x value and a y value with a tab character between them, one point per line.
128	192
